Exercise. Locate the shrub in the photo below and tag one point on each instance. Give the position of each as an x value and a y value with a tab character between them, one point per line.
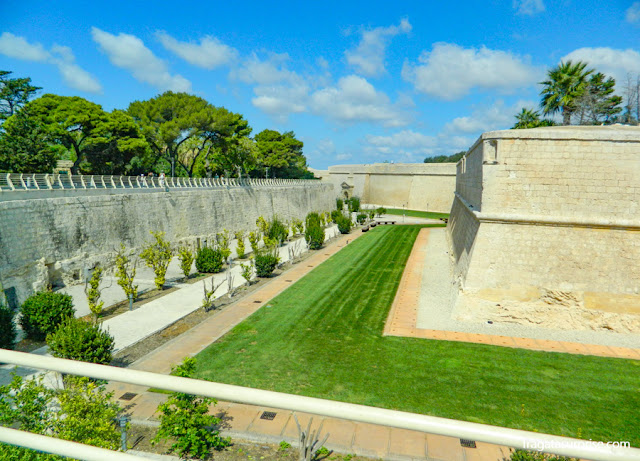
266	263
158	255
240	249
297	226
335	215
380	211
523	455
126	273
339	204
314	233
7	328
361	218
76	339
354	204
277	231
312	218
43	312
93	293
371	213
186	260
209	260
344	224
184	418
223	239
254	241
247	272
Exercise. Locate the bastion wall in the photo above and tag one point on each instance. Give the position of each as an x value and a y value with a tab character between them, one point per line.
50	241
417	186
548	218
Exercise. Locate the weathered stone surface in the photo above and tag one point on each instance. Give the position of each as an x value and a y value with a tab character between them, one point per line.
545	222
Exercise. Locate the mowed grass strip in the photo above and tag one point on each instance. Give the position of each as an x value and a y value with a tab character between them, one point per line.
322	337
417	214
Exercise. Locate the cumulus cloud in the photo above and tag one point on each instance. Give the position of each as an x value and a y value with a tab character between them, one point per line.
529	7
450	71
129	52
354	99
496	117
609	61
208	54
368	57
633	13
268	71
60	56
17	47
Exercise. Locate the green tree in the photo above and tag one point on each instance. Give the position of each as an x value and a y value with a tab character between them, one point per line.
25	146
99	142
14	93
281	154
564	85
445	158
528	118
598	104
157	255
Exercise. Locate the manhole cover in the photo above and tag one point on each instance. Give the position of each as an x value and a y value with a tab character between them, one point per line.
467	443
127	396
268	415
257	302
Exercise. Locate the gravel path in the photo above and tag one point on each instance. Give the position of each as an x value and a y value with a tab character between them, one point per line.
437	298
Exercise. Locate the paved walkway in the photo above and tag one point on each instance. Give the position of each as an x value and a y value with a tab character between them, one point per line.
432	293
244	422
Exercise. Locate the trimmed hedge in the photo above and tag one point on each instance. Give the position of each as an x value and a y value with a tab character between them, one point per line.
209	260
266	264
43	312
79	340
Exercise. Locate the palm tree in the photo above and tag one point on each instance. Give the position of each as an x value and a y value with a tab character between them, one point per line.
528	118
564	85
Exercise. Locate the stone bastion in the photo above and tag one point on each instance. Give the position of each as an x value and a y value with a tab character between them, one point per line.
545	228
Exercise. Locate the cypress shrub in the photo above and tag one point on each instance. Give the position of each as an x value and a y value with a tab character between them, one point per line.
344	224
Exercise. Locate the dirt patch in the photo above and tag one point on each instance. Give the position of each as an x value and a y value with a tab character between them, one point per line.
140	437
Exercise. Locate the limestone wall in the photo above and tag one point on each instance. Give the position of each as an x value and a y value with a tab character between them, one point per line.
418	186
550	210
51	241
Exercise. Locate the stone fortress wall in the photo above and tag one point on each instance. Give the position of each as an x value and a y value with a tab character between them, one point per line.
52	240
417	186
547	218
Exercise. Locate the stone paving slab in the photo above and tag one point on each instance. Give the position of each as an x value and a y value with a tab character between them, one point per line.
401	320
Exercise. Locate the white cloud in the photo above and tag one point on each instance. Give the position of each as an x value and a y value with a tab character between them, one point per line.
17	47
354	99
615	63
496	117
281	100
61	56
633	13
129	52
449	71
368	57
529	7
73	75
209	54
267	71
343	156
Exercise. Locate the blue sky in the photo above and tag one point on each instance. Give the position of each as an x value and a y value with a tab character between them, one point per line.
358	82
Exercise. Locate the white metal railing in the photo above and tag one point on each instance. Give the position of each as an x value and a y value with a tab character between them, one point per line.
34	182
461	429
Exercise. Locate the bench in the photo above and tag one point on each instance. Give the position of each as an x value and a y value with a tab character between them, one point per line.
385	222
365	228
445	220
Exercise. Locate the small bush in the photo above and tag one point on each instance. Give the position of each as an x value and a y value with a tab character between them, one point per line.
335	215
79	340
344	224
240	248
380	211
314	235
209	260
523	455
126	273
277	231
339	204
266	263
186	260
223	238
43	312
371	213
354	204
361	218
7	328
312	218
157	256
93	293
254	241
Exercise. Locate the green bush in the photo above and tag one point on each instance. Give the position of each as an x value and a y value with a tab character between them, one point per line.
354	204
523	455
314	233
76	339
277	230
344	224
7	328
266	263
209	260
380	211
43	312
185	419
335	215
339	204
361	218
157	256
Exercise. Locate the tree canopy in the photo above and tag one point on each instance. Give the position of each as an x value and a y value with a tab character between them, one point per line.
446	158
528	118
281	154
14	93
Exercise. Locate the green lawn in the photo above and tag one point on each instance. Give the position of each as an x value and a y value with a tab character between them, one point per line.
417	214
322	338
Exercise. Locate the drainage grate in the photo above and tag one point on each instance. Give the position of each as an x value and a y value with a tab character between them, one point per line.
289	281
257	302
309	266
467	443
268	415
127	396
